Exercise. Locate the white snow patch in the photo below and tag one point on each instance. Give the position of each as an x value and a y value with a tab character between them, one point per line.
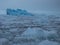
33	33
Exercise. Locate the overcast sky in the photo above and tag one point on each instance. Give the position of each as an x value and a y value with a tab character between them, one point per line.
45	5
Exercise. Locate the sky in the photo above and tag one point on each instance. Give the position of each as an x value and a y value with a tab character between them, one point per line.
36	5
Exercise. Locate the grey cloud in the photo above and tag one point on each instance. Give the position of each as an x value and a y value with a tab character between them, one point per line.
53	5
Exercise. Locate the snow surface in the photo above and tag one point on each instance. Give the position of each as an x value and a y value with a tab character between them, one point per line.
3	41
33	33
46	42
29	30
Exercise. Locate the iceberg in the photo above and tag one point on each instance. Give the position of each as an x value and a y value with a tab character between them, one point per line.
18	12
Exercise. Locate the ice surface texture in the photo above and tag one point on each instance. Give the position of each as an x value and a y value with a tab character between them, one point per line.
30	30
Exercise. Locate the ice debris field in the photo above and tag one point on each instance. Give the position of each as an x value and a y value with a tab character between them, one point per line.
39	29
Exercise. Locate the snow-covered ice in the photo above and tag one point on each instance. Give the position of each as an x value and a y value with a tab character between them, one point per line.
33	33
47	42
39	29
4	41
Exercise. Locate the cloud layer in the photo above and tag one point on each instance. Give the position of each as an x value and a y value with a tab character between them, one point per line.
50	5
